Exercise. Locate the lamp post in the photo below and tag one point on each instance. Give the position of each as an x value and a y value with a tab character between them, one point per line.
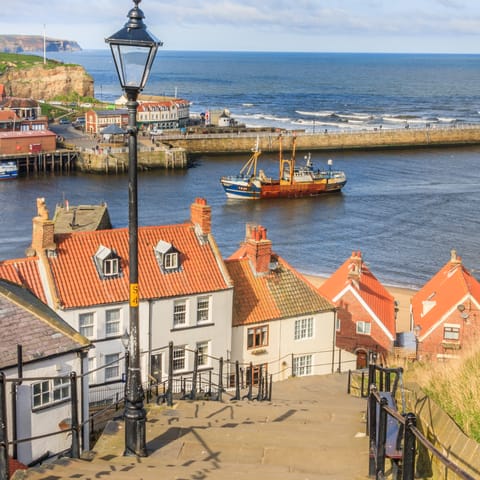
133	49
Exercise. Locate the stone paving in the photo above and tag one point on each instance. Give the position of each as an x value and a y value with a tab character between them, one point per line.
311	430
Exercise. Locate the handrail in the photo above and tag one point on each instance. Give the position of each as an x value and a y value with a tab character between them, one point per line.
378	410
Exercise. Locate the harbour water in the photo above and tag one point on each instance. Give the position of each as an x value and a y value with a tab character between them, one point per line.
404	209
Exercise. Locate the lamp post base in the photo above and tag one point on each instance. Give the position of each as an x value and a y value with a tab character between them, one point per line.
135	439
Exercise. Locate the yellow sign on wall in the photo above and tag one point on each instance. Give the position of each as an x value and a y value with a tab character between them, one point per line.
134	296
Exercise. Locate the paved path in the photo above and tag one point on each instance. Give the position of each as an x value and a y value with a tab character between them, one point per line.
311	430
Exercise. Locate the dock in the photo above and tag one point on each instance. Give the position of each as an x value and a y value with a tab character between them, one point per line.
62	161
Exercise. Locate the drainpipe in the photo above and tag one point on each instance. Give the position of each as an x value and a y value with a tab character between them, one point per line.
334	338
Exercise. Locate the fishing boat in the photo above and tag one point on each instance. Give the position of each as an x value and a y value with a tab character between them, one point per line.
294	180
8	169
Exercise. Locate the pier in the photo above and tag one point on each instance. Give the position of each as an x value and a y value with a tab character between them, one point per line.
63	161
378	138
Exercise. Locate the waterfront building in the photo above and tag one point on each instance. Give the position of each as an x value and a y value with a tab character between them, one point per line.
97	120
25	108
27	142
50	351
366	322
280	322
445	313
185	293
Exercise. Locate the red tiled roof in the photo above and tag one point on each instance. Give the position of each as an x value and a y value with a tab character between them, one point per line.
24	272
79	285
445	290
372	292
8	115
282	293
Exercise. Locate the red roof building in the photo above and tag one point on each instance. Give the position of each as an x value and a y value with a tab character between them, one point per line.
446	312
366	311
277	314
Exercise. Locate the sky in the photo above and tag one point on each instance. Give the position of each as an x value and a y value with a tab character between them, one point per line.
397	26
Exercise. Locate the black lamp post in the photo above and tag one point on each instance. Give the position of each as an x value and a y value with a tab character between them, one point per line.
133	50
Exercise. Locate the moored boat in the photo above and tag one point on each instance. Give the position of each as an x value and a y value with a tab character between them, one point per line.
8	169
294	181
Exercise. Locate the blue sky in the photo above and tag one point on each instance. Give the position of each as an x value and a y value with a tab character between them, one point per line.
438	26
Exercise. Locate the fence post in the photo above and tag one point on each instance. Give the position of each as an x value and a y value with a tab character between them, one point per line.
293	370
349	381
4	473
371	376
270	388
409	447
193	392
75	426
382	439
237	381
260	383
372	430
169	394
220	379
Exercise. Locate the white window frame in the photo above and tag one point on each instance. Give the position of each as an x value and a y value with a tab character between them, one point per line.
112	366
52	391
303	328
179	361
86	328
302	365
203	309
179	313
170	261
110	267
363	328
109	322
451	333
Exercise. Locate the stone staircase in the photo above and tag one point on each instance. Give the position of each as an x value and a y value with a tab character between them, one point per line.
311	430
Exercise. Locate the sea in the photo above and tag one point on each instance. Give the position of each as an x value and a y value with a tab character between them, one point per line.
404	209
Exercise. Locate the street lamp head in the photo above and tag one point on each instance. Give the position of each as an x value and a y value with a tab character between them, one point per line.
125	340
133	49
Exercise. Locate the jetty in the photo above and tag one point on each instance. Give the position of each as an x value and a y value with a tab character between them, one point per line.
375	138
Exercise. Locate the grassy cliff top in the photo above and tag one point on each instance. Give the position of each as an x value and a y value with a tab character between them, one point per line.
21	62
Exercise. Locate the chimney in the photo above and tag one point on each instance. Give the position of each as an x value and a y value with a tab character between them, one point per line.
258	248
201	216
355	267
43	231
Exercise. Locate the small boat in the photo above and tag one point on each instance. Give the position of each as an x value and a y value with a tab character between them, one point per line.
293	182
8	169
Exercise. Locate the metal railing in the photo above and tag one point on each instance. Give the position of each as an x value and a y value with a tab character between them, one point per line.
393	435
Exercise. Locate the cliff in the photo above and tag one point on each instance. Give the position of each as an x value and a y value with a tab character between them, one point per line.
47	81
34	43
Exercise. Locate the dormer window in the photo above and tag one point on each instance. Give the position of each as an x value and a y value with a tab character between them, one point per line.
107	262
168	256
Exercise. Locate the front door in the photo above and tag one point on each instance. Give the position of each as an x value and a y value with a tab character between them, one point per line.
156	367
361	359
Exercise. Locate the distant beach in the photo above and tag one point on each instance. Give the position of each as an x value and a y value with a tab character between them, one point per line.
402	295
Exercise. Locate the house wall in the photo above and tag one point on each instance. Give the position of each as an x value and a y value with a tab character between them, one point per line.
18	142
46	420
433	346
282	344
351	311
217	331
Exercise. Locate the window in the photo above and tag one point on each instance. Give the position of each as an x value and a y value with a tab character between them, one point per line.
179	358
112	368
302	365
203	309
86	324
179	313
91	367
202	348
363	328
303	328
49	392
451	333
170	260
167	256
107	262
257	337
338	324
112	322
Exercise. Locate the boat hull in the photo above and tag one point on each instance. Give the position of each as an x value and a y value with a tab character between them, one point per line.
8	170
280	190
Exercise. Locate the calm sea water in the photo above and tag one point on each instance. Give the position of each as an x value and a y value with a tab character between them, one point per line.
404	209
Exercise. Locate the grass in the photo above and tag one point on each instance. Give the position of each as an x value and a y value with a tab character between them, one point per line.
21	62
455	387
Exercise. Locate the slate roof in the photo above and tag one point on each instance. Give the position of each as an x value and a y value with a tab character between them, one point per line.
79	285
80	218
444	291
282	293
26	321
367	286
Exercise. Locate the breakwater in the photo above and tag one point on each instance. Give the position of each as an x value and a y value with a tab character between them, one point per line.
241	142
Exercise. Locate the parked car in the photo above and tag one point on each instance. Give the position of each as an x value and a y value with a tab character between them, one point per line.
64	121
